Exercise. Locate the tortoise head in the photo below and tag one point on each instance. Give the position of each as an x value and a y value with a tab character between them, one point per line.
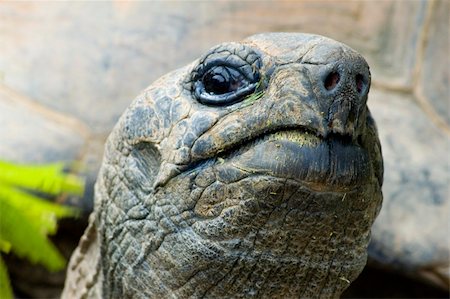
254	171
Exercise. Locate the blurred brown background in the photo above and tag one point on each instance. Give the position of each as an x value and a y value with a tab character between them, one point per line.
69	69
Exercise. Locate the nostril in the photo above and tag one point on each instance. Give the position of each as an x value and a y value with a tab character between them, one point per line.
332	80
359	79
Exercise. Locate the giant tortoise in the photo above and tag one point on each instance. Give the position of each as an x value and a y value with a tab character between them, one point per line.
255	171
78	68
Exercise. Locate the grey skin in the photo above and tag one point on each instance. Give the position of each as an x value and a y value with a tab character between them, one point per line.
263	186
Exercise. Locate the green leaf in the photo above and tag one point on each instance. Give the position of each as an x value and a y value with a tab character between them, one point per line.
5	286
25	237
5	246
48	178
41	213
26	219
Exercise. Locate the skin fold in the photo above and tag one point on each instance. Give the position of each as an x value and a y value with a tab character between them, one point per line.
255	171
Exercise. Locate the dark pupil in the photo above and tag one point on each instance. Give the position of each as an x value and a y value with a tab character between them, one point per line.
221	80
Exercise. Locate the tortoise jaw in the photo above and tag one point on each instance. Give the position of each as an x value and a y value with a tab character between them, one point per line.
331	164
325	164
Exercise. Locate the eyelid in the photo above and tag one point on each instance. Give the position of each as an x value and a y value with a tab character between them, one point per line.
244	68
222	99
227	68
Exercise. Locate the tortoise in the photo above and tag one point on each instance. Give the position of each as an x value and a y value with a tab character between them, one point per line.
84	93
255	171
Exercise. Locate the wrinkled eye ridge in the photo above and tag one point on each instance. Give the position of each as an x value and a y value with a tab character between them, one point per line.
222	80
226	75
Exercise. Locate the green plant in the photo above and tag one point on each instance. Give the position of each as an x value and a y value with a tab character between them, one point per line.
26	219
256	95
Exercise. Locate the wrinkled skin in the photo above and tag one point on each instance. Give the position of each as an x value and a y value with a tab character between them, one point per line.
268	190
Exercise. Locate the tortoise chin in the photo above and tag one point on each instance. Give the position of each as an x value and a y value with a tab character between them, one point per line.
331	164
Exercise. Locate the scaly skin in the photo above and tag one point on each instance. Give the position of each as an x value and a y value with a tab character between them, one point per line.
270	194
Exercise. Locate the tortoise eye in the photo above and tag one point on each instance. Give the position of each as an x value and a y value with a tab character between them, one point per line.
222	80
226	76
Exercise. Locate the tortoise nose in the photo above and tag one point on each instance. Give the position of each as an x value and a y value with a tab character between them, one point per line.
346	78
346	83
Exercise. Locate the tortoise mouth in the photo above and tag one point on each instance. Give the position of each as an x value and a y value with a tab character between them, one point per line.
334	163
302	136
